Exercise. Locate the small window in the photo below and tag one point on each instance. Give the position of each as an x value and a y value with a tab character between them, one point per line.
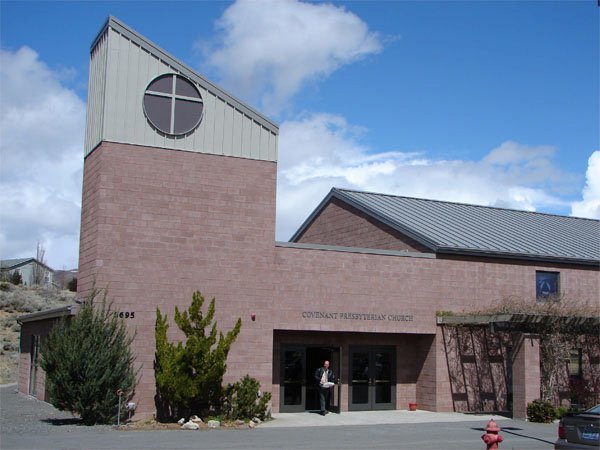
575	362
547	285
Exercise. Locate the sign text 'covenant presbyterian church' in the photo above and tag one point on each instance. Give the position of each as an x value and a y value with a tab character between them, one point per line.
356	316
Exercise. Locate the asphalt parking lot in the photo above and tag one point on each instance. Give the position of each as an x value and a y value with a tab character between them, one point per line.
27	423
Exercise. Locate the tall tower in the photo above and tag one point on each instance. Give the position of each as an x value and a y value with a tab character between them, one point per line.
178	195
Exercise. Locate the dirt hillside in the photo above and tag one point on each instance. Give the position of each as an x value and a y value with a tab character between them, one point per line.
16	301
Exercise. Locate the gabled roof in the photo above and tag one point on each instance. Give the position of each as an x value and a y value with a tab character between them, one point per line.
463	229
7	264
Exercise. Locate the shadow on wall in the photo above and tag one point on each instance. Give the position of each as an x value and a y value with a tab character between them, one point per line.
480	369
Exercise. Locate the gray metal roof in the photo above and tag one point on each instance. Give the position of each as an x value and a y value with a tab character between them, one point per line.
457	228
10	263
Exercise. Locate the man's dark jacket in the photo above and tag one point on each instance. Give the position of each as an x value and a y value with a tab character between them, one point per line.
319	375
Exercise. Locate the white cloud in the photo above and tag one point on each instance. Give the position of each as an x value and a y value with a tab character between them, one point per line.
269	57
590	205
41	151
322	151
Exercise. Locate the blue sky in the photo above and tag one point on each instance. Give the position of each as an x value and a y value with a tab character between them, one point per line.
493	103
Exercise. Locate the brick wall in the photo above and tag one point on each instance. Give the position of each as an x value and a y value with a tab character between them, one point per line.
526	372
158	224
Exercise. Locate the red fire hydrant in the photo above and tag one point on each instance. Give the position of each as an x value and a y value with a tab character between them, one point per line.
491	436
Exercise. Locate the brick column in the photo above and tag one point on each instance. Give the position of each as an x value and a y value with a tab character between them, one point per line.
526	372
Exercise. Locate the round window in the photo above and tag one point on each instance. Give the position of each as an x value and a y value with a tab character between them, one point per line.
173	104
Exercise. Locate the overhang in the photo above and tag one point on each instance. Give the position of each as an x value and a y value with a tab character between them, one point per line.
55	313
526	323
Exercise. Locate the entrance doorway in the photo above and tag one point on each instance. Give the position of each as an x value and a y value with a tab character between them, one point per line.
298	386
372	383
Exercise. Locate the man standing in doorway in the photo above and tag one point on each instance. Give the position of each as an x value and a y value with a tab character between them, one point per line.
324	378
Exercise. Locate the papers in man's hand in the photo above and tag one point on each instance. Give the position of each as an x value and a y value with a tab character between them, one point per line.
328	384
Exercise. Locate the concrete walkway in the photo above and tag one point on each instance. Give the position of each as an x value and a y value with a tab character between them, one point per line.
309	419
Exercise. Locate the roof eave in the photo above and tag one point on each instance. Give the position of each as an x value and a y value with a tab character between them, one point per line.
519	256
63	311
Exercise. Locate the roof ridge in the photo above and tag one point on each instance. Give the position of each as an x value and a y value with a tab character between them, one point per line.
463	204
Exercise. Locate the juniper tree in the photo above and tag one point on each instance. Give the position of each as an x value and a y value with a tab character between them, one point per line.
189	375
87	358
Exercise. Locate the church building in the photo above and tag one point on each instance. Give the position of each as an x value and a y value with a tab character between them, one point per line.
179	191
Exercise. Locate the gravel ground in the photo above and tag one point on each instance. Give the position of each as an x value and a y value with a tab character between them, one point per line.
24	414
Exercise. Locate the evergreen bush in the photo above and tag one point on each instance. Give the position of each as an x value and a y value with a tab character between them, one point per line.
16	278
189	375
87	359
243	400
541	411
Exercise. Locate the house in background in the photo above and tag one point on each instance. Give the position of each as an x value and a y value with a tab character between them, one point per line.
32	271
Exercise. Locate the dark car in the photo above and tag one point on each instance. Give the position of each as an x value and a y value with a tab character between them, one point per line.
579	430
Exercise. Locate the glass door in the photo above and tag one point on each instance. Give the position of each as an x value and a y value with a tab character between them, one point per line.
298	387
293	381
372	383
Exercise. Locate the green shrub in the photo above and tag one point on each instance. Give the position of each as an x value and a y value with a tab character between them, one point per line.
86	360
243	400
561	411
16	278
541	411
189	377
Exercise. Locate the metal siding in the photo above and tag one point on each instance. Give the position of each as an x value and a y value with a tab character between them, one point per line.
111	86
255	140
122	93
139	124
219	116
228	130
273	147
246	137
133	100
236	134
129	67
208	123
264	144
96	93
198	136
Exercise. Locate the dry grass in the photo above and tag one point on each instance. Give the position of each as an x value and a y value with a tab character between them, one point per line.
16	301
